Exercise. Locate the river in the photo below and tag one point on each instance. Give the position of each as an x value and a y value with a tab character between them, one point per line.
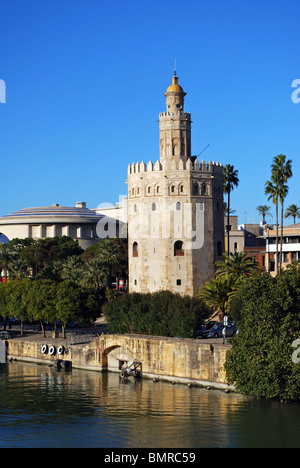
41	406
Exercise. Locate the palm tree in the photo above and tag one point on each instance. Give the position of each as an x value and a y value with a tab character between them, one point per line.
95	274
230	180
72	269
19	268
293	211
218	294
264	211
7	254
238	264
282	170
109	255
271	189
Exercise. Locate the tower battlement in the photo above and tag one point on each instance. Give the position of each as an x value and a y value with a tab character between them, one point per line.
195	167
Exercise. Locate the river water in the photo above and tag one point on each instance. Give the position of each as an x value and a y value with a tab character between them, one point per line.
41	406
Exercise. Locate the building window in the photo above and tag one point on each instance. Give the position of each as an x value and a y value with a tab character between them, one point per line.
157	189
134	208
153	206
181	188
172	189
178	282
178	206
195	190
203	189
135	282
178	249
135	251
149	190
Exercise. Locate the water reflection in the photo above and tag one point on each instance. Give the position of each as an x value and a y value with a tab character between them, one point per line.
41	406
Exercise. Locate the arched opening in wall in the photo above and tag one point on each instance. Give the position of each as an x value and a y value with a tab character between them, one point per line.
157	189
181	188
172	189
178	206
203	188
195	188
135	249
116	356
153	206
105	354
178	249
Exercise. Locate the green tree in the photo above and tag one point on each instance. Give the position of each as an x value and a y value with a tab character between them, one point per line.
230	181
264	211
95	274
72	269
41	301
293	211
44	253
18	268
113	255
238	264
219	292
260	361
18	300
6	291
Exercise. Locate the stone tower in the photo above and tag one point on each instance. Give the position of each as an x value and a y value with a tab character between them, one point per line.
175	210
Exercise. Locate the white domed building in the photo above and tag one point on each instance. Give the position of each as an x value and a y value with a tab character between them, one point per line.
77	222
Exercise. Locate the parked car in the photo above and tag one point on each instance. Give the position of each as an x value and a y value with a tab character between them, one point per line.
207	326
216	330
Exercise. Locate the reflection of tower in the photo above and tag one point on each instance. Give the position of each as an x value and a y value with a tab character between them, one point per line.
175	210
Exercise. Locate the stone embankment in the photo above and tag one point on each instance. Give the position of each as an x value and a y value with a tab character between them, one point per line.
194	362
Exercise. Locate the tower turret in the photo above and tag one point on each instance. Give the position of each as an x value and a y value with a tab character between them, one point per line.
174	127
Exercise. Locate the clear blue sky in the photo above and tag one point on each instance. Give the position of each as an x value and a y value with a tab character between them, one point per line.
85	82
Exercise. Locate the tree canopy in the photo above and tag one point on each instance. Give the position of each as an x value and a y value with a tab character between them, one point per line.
267	311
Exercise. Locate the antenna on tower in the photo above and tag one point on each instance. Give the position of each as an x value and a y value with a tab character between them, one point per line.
203	150
175	67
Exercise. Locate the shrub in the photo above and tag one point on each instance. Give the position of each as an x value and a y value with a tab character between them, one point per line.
162	314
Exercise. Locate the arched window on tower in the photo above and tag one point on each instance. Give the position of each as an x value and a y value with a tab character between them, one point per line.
135	250
178	206
178	249
153	206
203	188
195	190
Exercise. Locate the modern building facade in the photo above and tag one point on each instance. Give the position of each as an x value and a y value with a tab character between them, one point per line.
290	246
247	238
77	222
175	210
